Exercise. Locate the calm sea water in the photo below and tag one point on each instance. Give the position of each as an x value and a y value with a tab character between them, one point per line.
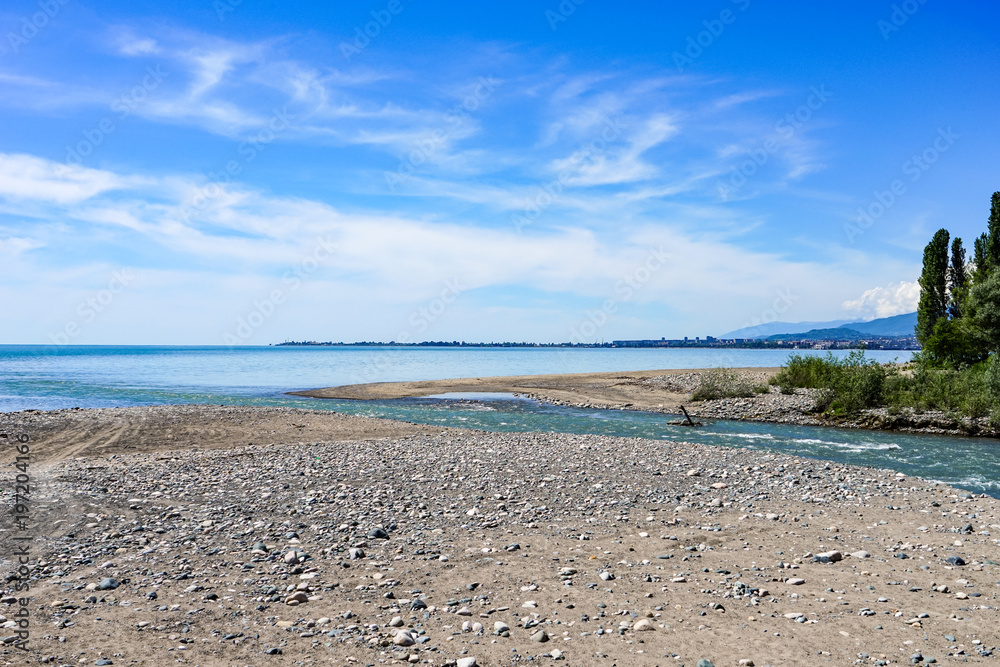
50	377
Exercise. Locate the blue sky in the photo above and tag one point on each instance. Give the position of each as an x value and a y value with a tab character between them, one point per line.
248	172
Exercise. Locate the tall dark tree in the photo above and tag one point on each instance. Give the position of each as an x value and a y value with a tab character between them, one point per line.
956	279
933	286
979	257
993	233
984	311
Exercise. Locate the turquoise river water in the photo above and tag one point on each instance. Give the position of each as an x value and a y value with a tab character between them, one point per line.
53	377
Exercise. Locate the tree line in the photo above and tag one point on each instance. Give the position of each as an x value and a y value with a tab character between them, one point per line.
958	317
957	371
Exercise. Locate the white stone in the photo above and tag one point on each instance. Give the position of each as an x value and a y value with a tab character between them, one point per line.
403	638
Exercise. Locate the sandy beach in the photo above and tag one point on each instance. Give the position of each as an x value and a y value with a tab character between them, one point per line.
662	390
233	536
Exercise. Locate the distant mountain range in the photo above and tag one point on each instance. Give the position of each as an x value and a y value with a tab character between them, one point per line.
898	325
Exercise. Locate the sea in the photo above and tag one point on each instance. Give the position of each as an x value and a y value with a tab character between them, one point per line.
49	377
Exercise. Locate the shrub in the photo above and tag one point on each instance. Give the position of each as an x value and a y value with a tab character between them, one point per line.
991	378
852	383
995	419
856	383
860	383
808	371
977	404
824	399
724	383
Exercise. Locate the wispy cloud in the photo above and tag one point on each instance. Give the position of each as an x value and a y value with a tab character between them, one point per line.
250	231
29	178
621	158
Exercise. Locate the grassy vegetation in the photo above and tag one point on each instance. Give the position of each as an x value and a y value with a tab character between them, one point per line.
725	383
854	383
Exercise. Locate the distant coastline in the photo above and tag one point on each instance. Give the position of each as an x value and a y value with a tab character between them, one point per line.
873	343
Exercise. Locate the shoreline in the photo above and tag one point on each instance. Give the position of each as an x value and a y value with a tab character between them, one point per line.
665	391
247	535
610	389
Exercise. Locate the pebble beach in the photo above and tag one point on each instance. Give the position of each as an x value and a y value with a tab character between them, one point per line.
213	535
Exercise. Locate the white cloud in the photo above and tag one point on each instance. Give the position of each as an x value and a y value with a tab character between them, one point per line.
14	246
601	162
26	177
445	221
738	99
138	47
895	299
248	239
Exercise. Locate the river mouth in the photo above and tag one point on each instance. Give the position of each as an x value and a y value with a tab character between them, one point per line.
477	396
972	464
968	463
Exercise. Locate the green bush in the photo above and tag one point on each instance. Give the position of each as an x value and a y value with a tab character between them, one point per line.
851	384
991	378
976	405
824	399
808	371
855	383
955	344
725	383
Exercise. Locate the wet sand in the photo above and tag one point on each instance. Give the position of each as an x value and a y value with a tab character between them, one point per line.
631	389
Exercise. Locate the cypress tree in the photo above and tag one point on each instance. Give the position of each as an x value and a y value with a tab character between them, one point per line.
979	256
956	279
993	234
933	286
